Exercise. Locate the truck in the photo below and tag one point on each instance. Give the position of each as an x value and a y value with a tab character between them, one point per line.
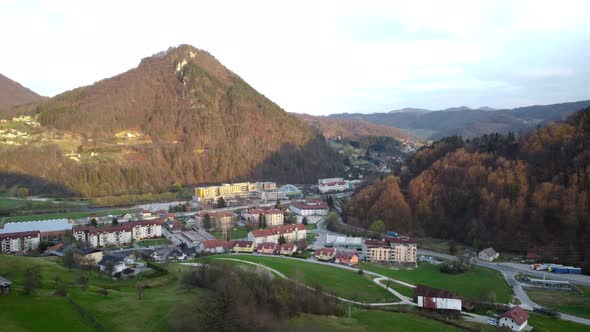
392	234
545	311
565	269
545	267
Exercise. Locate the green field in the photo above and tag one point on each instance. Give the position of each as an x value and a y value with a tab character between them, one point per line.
46	312
69	215
153	242
311	226
238	233
340	282
370	320
478	281
572	303
542	323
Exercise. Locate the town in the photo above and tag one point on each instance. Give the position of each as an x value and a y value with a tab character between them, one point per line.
262	220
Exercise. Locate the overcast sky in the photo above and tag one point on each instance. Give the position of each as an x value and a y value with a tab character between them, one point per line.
319	57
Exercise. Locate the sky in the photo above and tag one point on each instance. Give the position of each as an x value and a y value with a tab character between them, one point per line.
318	57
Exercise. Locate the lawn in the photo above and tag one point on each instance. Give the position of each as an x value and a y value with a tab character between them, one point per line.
69	215
238	233
153	242
370	320
438	245
478	281
572	303
542	323
310	227
115	311
337	281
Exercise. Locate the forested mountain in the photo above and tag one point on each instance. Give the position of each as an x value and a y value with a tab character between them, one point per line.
12	93
469	123
179	116
349	128
514	193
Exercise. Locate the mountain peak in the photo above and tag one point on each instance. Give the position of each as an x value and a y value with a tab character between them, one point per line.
12	93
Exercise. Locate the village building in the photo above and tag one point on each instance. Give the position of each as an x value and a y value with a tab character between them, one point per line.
325	254
118	235
243	246
267	248
212	246
346	258
4	285
286	249
333	185
403	250
311	207
516	319
88	256
219	219
437	299
291	233
272	217
113	263
50	231
488	255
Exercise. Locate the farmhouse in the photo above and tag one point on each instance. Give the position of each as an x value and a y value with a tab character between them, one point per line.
488	254
325	254
291	233
347	258
516	319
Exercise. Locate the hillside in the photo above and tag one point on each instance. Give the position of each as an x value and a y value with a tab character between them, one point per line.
12	93
179	116
519	194
467	122
349	128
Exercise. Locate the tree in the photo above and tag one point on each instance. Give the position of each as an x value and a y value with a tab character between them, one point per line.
330	202
140	290
378	226
261	221
282	240
32	279
22	192
221	203
290	219
278	204
115	221
68	258
207	222
82	282
453	247
304	221
93	222
475	244
176	187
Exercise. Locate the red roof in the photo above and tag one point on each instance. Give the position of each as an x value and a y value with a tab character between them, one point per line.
376	243
210	244
402	240
348	255
518	314
243	244
266	246
325	252
310	206
274	211
256	211
426	291
216	214
329	184
19	235
286	246
128	226
278	230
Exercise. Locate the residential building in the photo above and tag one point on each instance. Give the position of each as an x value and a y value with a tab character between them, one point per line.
230	190
271	195
112	263
291	233
311	207
437	299
347	258
377	251
219	219
254	215
118	235
325	254
88	256
212	246
403	250
516	319
488	255
51	231
274	217
243	246
268	248
286	249
333	185
4	285
19	242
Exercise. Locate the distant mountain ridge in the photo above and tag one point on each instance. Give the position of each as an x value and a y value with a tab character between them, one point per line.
349	128
180	116
12	93
468	122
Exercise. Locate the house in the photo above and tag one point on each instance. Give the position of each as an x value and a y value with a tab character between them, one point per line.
301	245
218	220
325	254
113	263
243	246
488	254
212	246
333	185
516	319
176	253
268	248
347	258
286	249
161	254
311	207
118	235
4	285
56	250
274	218
437	299
88	256
291	233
